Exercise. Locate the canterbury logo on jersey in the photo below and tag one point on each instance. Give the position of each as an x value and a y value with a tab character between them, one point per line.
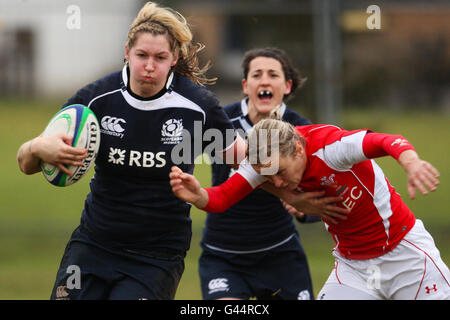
135	158
218	284
113	126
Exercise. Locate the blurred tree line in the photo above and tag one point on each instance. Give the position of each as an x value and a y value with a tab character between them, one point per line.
403	65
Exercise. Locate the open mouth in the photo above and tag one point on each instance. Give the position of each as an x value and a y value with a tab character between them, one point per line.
265	94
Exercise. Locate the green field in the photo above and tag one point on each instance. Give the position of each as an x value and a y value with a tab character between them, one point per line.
38	218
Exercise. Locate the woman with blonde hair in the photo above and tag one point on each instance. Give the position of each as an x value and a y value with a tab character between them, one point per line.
382	251
134	232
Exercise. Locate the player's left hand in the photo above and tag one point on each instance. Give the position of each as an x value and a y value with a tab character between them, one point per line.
421	174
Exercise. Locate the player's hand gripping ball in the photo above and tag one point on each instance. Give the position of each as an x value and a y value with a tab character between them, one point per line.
80	122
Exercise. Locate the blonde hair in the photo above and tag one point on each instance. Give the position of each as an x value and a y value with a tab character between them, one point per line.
275	113
271	137
166	21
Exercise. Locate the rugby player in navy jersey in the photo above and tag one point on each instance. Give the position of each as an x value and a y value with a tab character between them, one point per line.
134	232
253	249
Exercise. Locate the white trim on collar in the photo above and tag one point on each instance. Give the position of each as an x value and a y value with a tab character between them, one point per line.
244	107
283	109
169	80
172	100
125	75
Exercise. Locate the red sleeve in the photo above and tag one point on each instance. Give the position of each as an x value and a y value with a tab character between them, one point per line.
377	145
227	194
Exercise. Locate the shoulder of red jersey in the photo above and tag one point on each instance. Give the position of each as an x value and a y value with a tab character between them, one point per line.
338	148
319	135
318	130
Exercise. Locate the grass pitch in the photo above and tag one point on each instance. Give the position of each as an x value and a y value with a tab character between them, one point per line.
37	218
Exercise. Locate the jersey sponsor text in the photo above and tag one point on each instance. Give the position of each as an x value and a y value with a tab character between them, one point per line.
133	158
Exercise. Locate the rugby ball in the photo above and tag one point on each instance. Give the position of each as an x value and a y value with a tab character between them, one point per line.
80	122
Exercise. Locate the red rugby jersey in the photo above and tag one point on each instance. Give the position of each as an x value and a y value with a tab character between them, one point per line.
379	219
337	163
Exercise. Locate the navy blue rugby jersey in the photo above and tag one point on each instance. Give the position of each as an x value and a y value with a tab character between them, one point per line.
131	203
259	220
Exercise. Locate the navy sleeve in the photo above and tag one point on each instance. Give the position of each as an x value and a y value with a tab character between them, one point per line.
84	95
216	119
87	93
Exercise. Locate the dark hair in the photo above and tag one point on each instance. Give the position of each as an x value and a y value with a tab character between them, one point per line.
290	72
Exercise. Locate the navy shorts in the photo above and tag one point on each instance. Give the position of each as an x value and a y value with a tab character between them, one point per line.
90	270
278	273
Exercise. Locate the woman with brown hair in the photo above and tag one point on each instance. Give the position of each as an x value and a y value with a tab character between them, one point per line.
253	248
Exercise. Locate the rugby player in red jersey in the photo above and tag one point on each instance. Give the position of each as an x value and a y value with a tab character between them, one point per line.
382	251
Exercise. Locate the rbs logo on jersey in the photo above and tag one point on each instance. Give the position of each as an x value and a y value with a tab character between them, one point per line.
135	158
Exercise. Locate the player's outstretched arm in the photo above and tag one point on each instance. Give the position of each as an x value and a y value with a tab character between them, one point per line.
55	150
421	174
220	198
